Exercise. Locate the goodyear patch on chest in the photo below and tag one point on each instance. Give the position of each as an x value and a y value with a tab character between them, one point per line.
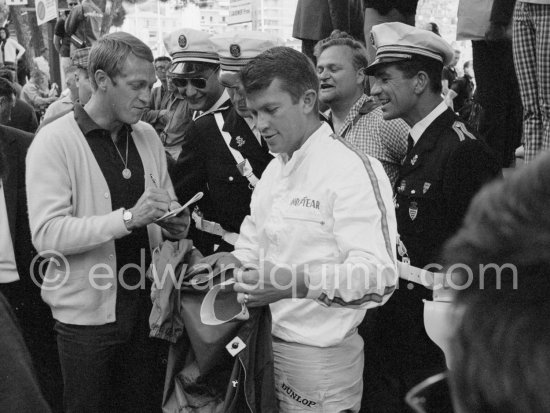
305	202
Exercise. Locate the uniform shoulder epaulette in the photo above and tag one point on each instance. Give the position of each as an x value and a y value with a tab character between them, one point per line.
220	109
462	131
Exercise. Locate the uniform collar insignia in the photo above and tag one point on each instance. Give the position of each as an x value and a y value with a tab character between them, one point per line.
240	141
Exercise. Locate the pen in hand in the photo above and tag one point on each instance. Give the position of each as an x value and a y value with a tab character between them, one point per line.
157	185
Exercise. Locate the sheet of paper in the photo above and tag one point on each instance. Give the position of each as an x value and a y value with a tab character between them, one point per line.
177	211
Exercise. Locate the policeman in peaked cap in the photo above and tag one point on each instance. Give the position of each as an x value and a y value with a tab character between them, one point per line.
194	69
444	167
223	154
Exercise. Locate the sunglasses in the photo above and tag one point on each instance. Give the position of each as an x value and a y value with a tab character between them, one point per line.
72	4
196	82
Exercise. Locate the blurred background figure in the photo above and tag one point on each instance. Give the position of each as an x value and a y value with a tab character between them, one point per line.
36	93
316	19
464	88
386	11
83	25
449	73
62	41
160	96
68	98
531	39
11	51
500	354
22	115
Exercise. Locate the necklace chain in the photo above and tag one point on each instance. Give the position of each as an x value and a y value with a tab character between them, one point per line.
126	173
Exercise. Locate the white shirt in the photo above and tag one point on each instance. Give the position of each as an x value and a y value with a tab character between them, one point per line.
420	127
8	268
329	208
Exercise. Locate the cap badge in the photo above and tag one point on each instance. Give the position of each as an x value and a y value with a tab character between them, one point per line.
235	50
182	41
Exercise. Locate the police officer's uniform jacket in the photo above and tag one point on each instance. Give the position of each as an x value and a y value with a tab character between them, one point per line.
437	180
206	164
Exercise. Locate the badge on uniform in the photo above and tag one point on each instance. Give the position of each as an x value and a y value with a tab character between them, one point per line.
402	186
426	187
413	210
414	159
240	141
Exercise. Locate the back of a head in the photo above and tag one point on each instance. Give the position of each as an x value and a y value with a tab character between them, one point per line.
6	89
501	352
110	52
7	74
293	69
339	38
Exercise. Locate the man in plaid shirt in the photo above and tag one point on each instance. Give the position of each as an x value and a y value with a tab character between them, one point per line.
355	116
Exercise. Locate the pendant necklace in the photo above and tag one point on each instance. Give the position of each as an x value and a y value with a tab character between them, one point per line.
126	173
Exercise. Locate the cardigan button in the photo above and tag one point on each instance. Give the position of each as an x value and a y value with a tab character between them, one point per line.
106	195
230	179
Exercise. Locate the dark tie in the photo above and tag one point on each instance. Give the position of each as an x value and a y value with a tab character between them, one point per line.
410	143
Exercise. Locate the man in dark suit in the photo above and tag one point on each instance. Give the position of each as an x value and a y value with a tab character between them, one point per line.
316	19
444	167
223	153
19	277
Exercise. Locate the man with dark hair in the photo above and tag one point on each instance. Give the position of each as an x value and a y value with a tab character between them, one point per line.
319	238
96	183
444	167
23	116
503	337
355	116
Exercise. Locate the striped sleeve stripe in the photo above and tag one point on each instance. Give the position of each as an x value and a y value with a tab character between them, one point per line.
377	193
377	298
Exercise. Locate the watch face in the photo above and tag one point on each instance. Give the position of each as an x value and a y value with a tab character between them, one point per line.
127	216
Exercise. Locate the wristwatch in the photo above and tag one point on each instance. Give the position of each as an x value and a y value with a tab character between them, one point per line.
127	217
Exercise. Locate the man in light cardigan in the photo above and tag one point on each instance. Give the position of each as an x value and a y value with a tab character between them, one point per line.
96	182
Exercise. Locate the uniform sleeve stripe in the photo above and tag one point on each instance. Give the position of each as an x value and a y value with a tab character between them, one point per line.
377	194
377	298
